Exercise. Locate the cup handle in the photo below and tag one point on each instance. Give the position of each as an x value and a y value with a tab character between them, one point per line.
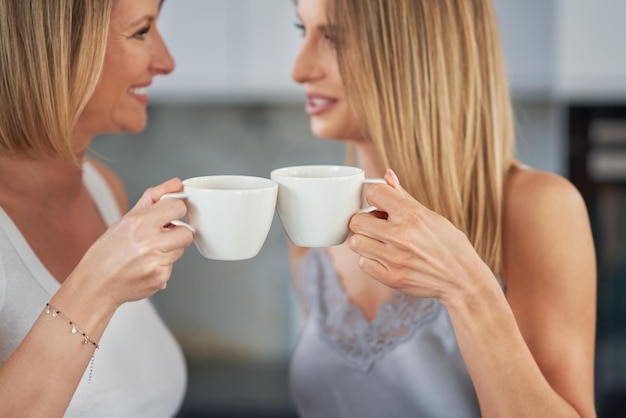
367	209
372	181
179	195
177	222
375	180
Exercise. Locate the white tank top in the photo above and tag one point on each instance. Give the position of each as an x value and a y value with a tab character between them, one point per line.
139	370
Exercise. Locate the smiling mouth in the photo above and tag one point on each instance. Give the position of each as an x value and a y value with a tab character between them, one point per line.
139	91
320	102
318	105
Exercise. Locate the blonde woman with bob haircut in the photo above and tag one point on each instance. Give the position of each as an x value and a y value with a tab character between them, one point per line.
78	338
471	291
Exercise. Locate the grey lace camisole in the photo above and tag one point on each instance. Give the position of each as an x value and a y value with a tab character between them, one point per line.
403	363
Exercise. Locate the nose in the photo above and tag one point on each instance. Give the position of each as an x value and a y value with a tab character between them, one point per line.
162	61
306	66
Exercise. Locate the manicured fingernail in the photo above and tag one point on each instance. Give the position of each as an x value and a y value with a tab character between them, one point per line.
393	176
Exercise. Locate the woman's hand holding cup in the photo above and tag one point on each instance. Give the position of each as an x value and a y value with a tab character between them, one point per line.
133	259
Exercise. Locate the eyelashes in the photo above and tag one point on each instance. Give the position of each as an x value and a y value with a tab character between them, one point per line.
323	29
142	33
300	27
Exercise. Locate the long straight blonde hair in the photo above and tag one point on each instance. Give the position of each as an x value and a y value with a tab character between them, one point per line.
427	82
51	56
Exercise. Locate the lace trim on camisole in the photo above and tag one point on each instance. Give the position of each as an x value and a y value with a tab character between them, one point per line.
344	327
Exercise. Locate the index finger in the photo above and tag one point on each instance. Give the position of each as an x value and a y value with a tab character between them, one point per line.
170	186
165	211
385	198
391	197
153	194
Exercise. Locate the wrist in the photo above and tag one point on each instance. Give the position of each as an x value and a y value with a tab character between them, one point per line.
479	292
86	306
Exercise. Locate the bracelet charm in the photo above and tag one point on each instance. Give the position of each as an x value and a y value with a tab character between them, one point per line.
55	313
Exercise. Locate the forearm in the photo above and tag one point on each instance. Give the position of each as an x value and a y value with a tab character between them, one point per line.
41	376
506	377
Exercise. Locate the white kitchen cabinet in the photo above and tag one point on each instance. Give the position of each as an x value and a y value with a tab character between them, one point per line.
242	51
271	45
566	50
198	36
591	50
229	51
528	38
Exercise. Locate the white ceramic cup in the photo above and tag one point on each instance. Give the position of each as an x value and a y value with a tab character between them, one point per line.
315	202
229	215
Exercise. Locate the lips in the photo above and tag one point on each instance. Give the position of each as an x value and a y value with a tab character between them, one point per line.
318	104
140	93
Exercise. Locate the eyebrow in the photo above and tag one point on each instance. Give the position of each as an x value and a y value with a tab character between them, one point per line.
148	18
324	27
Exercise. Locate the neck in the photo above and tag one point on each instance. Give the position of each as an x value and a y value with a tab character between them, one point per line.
42	177
369	160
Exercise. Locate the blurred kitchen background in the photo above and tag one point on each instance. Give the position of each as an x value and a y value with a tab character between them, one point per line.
230	107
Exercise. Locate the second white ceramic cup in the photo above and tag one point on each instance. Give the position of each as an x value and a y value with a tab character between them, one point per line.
230	215
315	202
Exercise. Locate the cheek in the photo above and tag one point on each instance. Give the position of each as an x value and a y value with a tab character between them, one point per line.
98	103
348	122
105	92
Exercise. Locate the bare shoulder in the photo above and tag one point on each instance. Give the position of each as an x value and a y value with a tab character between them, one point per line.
114	182
547	238
539	202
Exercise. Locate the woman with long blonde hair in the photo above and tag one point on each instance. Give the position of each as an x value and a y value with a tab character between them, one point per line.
471	291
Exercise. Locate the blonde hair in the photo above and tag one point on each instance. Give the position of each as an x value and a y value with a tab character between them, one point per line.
51	56
426	80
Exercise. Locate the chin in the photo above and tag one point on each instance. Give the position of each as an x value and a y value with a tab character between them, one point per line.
334	131
324	131
134	126
329	137
333	135
135	129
